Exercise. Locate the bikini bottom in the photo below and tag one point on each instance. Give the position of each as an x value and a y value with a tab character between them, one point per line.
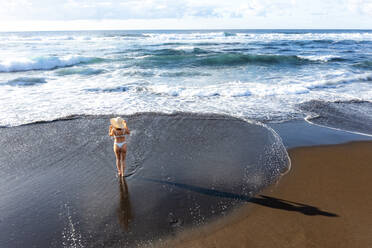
120	145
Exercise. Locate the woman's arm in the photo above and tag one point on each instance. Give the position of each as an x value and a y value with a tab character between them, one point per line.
111	131
127	131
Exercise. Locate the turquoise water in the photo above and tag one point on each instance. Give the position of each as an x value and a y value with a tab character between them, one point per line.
256	74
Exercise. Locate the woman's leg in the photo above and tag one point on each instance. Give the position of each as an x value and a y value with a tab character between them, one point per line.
118	159
122	159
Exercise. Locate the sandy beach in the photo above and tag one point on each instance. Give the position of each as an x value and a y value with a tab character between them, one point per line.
193	180
324	201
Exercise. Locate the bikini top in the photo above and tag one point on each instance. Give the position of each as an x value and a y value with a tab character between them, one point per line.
119	136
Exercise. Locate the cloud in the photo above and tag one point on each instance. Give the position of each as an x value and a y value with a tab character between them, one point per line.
135	9
195	14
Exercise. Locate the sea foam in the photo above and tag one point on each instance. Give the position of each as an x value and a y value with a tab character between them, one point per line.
338	81
230	89
43	63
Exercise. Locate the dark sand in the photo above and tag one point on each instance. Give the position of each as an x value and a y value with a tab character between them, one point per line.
58	185
192	181
324	201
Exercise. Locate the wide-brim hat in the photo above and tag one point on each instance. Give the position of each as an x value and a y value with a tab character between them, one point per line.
118	122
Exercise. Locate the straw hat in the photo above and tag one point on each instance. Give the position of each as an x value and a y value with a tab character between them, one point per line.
118	122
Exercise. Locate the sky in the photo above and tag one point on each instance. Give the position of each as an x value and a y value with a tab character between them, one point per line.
30	15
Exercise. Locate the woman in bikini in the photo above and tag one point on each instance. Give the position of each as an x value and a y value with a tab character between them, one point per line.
118	129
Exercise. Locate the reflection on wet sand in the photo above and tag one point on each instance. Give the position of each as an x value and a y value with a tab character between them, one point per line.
124	210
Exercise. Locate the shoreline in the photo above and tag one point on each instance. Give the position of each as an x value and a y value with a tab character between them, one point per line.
324	201
300	133
167	197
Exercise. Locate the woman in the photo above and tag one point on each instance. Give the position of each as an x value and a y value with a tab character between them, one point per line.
118	129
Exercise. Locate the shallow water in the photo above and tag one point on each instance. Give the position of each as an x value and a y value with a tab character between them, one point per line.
58	186
354	116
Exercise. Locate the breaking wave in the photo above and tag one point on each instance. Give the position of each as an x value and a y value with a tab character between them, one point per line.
44	63
322	58
332	83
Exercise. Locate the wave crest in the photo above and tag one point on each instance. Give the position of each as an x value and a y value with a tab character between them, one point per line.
44	63
322	58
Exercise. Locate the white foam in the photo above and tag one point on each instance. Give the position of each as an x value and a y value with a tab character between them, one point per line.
230	89
185	48
245	89
40	63
262	90
322	58
165	89
341	79
225	90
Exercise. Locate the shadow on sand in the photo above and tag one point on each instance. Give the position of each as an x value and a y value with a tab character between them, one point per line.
262	200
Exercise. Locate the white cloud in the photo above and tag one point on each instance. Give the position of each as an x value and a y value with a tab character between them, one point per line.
133	9
185	13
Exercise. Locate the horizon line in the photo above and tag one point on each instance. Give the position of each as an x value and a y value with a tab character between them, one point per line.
189	29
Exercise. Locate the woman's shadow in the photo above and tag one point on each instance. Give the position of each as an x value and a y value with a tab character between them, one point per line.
124	211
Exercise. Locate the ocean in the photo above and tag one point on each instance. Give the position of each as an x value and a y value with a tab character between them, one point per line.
263	75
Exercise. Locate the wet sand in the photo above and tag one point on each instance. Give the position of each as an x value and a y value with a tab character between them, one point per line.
58	184
192	182
324	201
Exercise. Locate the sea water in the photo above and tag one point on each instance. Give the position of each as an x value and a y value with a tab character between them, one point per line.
257	74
